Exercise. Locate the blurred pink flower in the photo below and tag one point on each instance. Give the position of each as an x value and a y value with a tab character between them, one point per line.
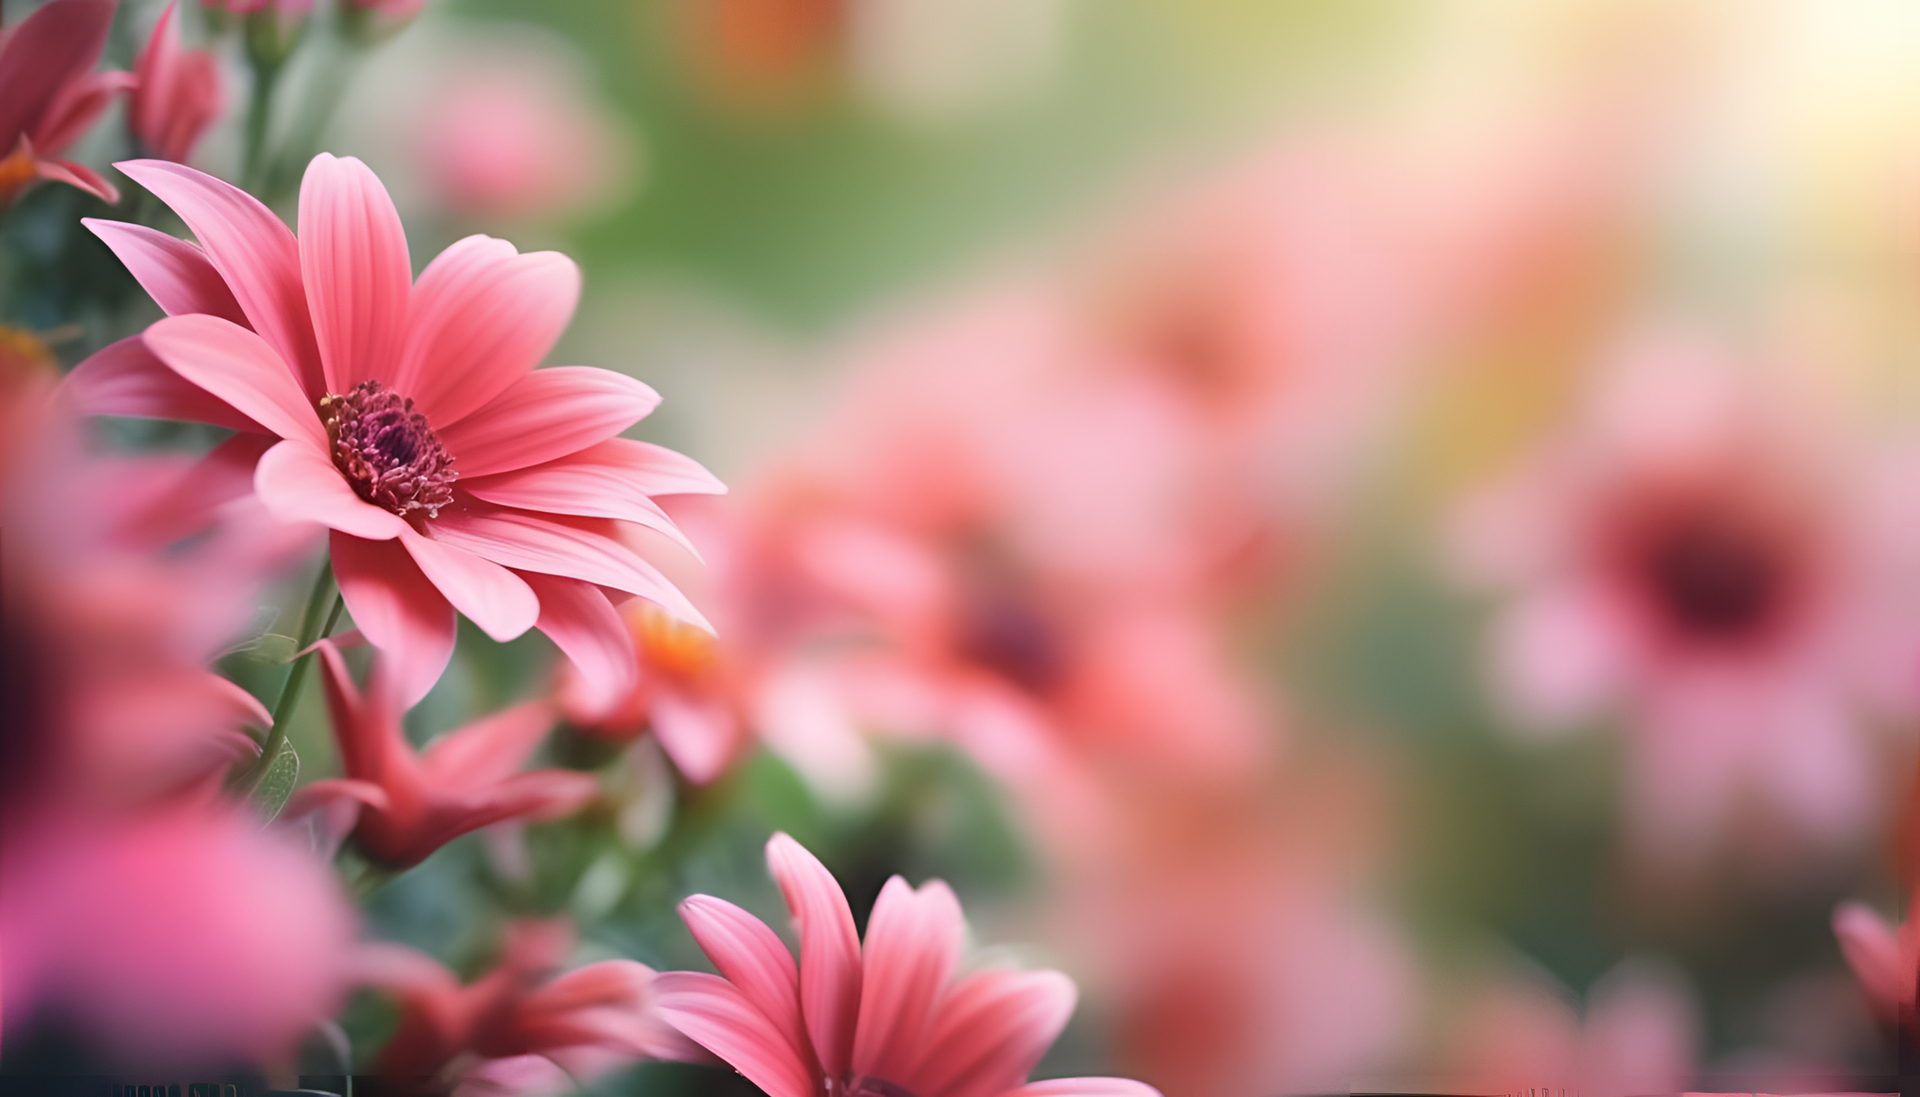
186	937
1693	550
244	7
116	610
178	95
49	94
875	1022
976	545
505	136
413	424
686	695
1640	1034
410	804
520	1029
1224	936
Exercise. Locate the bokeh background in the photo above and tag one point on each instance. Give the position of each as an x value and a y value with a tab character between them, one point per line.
1381	537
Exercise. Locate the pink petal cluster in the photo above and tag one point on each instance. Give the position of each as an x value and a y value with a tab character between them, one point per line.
888	1018
411	420
178	94
1695	554
401	806
49	94
521	1028
1885	960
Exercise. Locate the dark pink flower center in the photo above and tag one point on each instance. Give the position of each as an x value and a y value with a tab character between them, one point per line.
1011	637
864	1085
387	451
1722	575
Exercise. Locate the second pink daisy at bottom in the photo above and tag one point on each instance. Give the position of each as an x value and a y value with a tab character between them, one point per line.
889	1019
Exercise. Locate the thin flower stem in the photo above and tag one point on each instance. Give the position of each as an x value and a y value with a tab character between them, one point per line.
311	631
259	112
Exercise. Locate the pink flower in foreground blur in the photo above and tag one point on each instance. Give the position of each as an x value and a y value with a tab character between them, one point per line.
413	424
178	95
409	804
187	937
520	1028
685	696
889	1020
1640	1034
1693	551
49	94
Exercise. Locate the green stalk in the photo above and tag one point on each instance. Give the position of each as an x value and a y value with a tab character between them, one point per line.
311	631
259	114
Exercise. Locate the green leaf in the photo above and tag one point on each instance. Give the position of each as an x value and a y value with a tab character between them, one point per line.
277	783
269	647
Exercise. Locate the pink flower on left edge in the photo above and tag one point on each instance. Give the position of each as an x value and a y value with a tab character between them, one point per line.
49	95
178	95
410	804
412	422
887	1020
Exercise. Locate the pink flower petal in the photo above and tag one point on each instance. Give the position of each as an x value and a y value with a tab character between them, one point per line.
353	259
483	317
579	484
253	251
489	749
991	1030
492	597
397	610
1085	1087
538	797
656	470
1872	950
586	628
72	111
297	483
174	272
719	1017
55	45
697	733
1559	656
126	378
754	959
76	175
911	952
546	414
575	549
829	951
239	367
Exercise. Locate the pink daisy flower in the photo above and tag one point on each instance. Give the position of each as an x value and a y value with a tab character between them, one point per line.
889	1020
412	422
1697	554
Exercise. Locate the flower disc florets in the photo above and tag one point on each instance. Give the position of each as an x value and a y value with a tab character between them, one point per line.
387	451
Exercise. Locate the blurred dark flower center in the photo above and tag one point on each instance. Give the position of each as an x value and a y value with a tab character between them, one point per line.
1716	578
387	451
1011	637
865	1085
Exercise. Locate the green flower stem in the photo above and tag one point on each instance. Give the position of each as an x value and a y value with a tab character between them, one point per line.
259	114
311	631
